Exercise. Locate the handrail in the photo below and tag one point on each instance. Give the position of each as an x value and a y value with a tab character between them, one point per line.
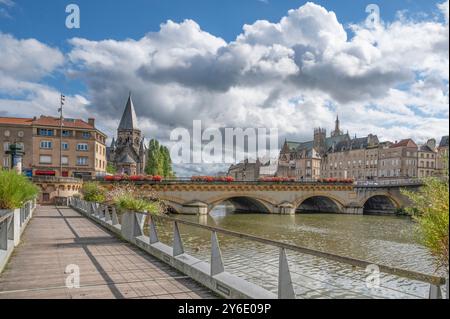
5	217
436	280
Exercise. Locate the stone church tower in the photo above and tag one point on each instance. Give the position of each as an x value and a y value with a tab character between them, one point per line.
128	153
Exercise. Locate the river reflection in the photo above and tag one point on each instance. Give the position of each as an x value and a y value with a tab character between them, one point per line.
387	240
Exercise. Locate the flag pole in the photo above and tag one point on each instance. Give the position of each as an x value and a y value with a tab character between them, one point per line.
63	98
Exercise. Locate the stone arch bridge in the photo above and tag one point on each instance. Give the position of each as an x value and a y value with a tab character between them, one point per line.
198	198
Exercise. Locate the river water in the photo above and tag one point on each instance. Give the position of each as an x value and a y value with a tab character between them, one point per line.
387	240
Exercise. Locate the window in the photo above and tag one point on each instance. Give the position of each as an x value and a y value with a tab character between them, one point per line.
65	146
45	132
86	135
20	134
66	133
6	146
7	133
82	147
46	144
82	161
65	160
6	162
45	159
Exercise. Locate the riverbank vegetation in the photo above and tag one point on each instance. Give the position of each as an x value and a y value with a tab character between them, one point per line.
431	211
15	190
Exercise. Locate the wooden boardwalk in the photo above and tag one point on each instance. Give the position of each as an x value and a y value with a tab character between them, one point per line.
109	268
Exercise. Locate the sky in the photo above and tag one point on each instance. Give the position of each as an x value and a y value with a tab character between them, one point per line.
293	65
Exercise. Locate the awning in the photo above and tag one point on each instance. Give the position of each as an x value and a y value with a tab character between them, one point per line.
45	173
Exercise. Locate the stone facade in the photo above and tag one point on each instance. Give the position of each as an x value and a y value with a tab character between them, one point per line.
442	157
398	160
303	160
427	155
128	153
81	145
245	171
356	159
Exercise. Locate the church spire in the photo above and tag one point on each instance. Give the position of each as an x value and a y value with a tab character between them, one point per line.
337	129
129	119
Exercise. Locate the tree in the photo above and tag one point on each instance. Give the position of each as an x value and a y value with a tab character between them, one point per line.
111	169
166	162
430	210
153	163
159	161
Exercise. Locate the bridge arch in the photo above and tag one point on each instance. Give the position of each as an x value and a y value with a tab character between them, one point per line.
243	204
381	203
319	203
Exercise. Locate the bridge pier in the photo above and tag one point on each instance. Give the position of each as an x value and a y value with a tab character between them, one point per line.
353	210
195	208
285	209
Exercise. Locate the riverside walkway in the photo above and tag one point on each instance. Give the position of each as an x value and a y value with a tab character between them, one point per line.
57	238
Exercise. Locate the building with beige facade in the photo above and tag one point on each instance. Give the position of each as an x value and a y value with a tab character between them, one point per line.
16	130
398	160
426	161
356	159
78	146
245	170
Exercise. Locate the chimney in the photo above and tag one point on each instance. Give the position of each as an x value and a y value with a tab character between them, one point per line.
91	122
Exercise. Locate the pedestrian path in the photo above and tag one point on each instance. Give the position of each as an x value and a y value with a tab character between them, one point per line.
59	241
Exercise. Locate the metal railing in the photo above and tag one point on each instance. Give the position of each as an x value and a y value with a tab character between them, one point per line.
12	225
108	215
389	182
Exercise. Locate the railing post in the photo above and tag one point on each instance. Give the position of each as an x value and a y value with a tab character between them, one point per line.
285	287
177	243
4	234
107	214
435	292
216	256
115	219
153	234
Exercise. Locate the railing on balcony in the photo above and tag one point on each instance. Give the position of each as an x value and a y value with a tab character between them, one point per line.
12	225
213	274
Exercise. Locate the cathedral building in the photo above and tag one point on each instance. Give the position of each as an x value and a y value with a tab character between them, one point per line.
303	160
128	153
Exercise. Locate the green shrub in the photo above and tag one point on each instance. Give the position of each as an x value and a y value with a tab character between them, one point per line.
93	192
430	210
15	190
127	202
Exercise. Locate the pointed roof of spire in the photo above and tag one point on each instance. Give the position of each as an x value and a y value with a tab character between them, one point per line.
129	119
113	142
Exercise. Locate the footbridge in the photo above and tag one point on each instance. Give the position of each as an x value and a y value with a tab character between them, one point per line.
200	198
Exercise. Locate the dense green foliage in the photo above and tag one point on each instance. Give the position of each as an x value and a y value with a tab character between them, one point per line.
15	190
93	192
159	161
430	210
110	169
